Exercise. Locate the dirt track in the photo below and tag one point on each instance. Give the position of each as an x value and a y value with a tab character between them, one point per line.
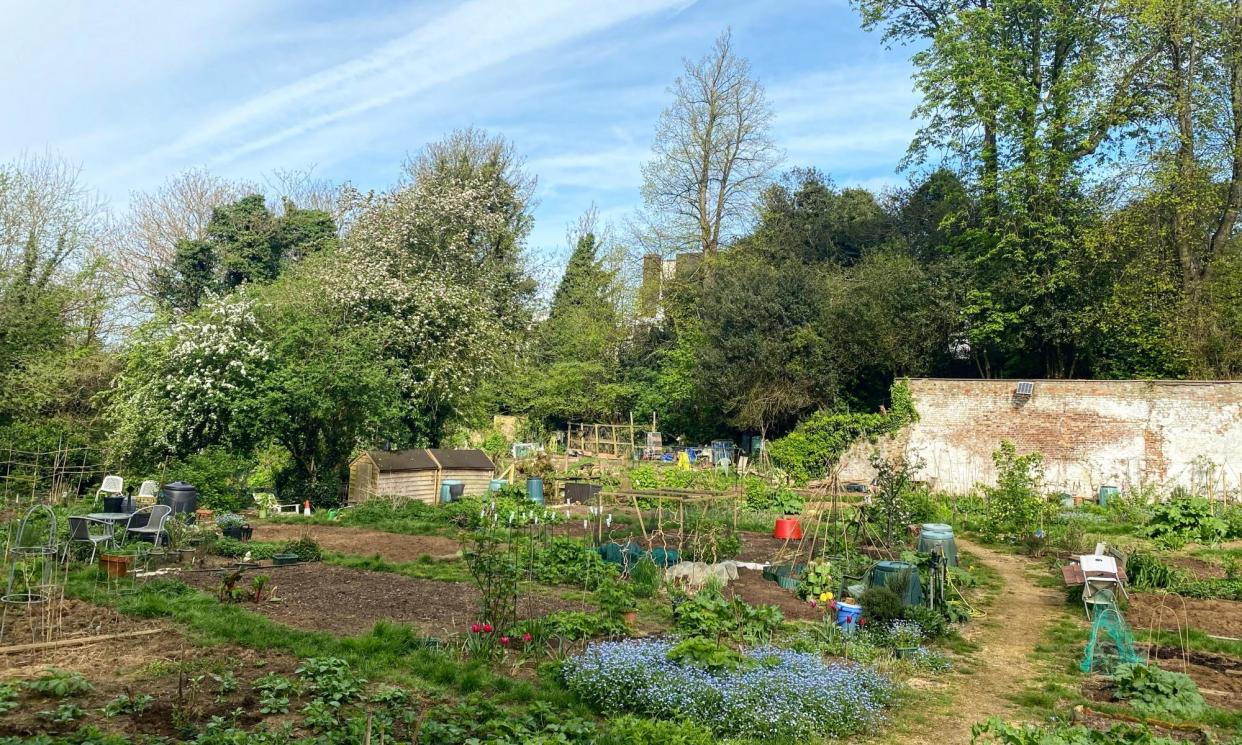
1007	636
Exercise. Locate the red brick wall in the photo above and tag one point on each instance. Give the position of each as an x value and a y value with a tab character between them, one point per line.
1091	432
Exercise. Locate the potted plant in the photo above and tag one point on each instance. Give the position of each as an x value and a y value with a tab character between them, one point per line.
231	524
119	560
267	504
181	536
905	636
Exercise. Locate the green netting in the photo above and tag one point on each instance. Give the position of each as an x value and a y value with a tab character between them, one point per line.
1111	642
629	554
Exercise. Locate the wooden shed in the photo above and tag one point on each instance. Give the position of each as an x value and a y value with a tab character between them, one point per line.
417	473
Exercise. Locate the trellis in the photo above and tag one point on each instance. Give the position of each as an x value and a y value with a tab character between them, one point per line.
27	477
614	440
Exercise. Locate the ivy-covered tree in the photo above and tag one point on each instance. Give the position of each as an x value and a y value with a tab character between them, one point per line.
244	243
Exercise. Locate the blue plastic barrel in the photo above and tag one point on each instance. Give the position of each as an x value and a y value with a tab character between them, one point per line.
451	489
496	485
534	489
1106	493
848	615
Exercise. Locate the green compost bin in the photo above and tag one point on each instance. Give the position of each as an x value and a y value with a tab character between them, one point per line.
899	576
930	539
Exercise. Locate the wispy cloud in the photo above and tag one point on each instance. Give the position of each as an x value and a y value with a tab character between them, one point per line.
464	40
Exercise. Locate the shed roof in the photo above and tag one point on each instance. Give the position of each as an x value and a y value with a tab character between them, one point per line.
423	459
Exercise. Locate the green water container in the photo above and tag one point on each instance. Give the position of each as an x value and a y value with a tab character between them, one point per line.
900	576
1106	493
938	528
930	539
451	490
534	489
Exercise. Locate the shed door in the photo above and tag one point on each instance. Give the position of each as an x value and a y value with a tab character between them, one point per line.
364	481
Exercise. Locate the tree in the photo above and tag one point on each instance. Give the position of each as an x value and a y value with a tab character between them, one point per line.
243	243
574	351
157	221
53	305
1029	95
712	152
184	284
487	240
805	216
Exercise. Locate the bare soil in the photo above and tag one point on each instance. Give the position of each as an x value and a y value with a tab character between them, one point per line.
1173	612
320	597
754	589
393	547
1199	568
166	666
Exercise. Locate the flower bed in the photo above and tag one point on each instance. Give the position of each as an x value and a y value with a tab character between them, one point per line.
784	695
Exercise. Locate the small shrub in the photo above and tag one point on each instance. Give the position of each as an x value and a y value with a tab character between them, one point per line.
125	703
274	691
306	549
706	654
881	606
59	684
1015	507
645	577
931	621
1158	692
8	697
331	681
1184	519
997	731
63	714
1147	572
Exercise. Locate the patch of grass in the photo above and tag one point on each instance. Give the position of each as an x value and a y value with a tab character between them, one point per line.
1194	640
425	568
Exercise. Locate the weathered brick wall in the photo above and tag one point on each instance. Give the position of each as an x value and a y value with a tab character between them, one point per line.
1091	432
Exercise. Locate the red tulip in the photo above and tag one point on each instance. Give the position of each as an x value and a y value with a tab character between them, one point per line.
475	628
487	628
504	640
526	637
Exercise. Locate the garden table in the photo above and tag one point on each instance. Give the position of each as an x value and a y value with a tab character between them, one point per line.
110	517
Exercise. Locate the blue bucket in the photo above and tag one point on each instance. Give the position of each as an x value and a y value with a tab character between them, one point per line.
534	489
848	616
496	485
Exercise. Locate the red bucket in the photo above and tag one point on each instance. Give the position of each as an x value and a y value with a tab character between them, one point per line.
788	528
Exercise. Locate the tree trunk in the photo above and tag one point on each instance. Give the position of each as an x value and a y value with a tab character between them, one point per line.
1233	200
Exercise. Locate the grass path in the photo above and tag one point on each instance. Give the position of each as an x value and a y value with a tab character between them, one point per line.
986	681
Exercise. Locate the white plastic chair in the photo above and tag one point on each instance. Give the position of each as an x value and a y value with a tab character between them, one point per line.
111	485
1101	580
147	493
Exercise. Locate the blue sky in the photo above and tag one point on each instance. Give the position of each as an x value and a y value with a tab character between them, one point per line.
139	89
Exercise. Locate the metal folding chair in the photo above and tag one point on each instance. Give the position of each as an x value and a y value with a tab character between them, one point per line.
88	530
154	528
